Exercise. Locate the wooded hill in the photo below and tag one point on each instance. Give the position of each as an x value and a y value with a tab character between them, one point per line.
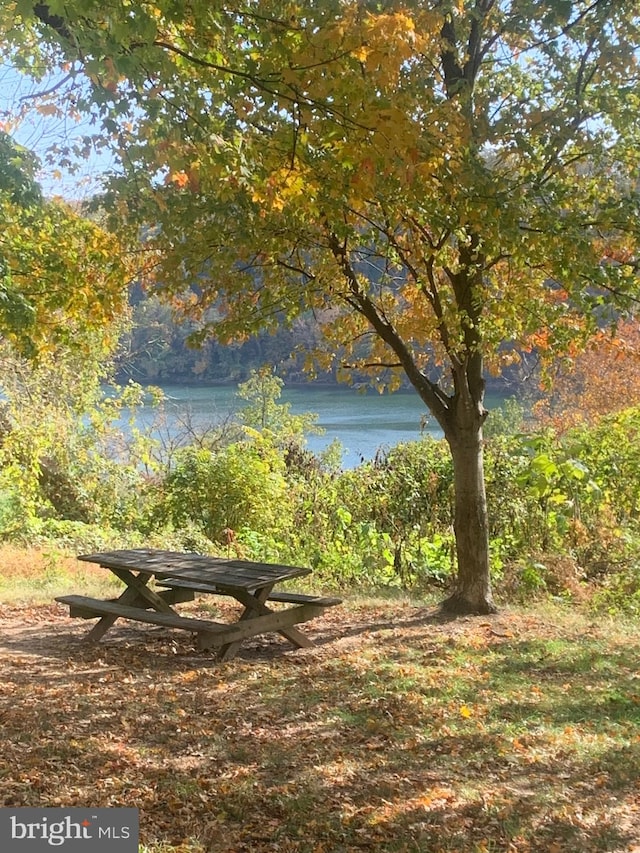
157	349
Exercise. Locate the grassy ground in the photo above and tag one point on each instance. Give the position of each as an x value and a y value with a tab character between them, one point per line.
398	732
37	575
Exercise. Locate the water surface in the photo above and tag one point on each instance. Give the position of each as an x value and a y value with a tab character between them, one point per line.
363	423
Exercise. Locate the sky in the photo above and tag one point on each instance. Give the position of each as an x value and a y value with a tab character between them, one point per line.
39	132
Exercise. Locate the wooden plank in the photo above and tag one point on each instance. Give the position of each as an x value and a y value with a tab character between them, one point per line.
139	584
195	586
149	559
283	597
176	596
129	597
245	574
253	606
251	578
270	622
98	607
171	596
299	598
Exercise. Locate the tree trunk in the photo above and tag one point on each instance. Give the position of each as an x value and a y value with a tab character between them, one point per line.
472	593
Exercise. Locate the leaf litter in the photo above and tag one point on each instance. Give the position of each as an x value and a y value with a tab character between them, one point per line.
399	731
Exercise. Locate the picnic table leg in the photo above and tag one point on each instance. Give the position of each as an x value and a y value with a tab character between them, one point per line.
102	625
254	605
99	629
229	651
135	592
294	635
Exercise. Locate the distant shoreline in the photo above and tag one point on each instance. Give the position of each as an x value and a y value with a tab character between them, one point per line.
494	386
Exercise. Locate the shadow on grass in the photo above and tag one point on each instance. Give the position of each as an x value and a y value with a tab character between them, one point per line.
578	683
63	638
410	740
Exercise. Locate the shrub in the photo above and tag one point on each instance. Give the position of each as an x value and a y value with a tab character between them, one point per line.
619	592
385	523
240	487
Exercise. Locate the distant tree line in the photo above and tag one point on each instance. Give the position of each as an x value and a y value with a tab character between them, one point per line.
159	349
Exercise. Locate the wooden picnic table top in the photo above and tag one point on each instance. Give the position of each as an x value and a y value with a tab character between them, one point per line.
216	571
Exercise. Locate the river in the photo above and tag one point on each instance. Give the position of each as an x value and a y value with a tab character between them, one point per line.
362	423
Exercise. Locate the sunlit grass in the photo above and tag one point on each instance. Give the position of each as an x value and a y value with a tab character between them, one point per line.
37	575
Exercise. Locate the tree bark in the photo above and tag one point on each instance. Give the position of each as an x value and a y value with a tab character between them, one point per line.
472	592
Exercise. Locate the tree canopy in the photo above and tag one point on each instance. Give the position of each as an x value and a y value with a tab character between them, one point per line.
442	183
62	277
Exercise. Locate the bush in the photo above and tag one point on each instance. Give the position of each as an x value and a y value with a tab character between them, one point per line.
385	523
619	592
541	575
239	488
611	451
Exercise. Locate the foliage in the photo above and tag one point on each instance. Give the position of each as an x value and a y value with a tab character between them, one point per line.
62	453
228	493
261	393
508	419
63	284
541	498
564	509
612	451
619	592
603	379
345	552
407	494
63	279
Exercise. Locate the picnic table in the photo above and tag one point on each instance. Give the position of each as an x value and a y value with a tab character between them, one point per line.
181	576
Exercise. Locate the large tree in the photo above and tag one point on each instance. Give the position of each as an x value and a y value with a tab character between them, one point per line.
441	182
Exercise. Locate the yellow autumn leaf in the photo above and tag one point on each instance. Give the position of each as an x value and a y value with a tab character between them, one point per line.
180	179
465	711
361	53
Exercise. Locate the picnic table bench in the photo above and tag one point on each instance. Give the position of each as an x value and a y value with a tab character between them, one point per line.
184	575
